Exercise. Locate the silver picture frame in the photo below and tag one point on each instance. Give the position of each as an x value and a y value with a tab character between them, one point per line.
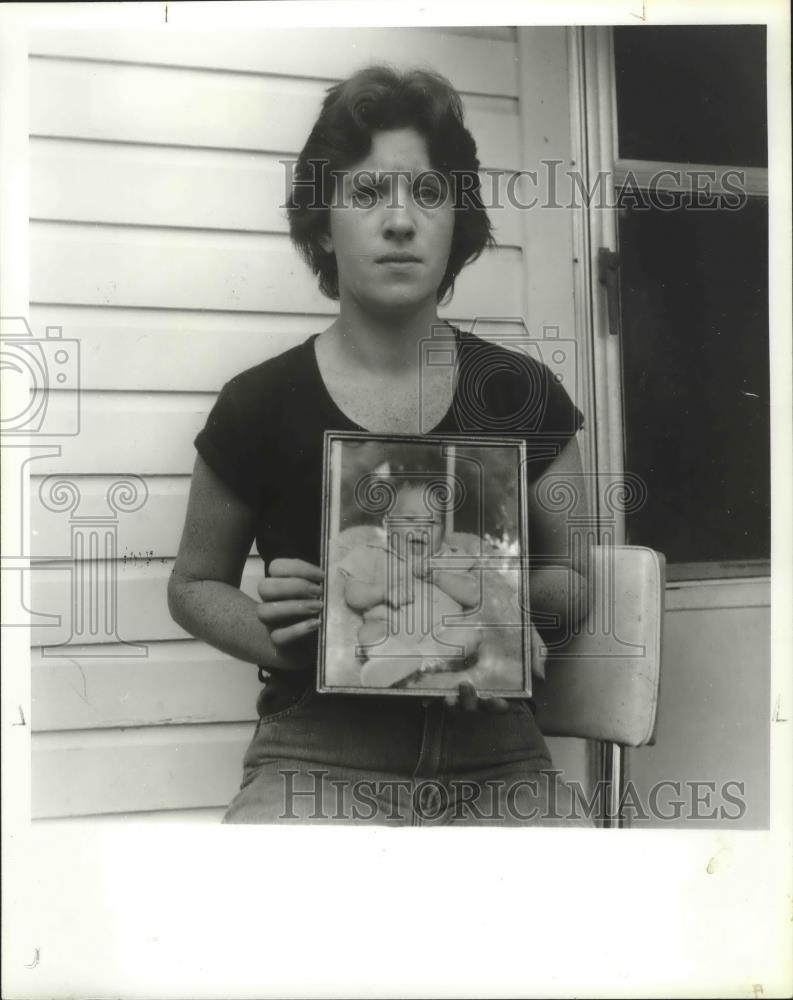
425	543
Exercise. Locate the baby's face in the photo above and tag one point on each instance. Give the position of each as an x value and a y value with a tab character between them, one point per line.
425	534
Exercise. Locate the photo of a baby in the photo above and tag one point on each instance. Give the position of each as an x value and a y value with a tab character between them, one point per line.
424	582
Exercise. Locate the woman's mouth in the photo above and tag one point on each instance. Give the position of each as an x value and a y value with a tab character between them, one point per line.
398	259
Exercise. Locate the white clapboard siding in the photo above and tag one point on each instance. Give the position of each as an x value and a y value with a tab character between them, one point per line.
185	107
153	530
477	67
169	685
138	603
112	771
173	350
74	181
120	433
161	268
78	181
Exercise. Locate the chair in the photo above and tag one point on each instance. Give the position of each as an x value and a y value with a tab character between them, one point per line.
603	684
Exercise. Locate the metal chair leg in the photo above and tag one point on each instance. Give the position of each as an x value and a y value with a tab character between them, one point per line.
611	777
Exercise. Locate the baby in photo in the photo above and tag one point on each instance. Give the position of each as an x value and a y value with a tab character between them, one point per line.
405	603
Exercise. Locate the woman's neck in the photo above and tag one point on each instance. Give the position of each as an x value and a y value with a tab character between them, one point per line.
380	343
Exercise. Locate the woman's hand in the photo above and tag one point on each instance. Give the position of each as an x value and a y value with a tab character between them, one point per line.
468	700
291	600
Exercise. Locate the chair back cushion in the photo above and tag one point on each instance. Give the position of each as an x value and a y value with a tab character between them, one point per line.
603	684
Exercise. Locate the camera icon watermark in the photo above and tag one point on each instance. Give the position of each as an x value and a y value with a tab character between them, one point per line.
41	402
41	364
509	383
499	352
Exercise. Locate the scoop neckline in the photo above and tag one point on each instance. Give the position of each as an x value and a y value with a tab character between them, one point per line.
311	344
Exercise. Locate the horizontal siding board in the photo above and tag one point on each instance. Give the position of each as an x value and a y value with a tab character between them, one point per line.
115	771
168	269
210	189
141	433
476	63
140	185
162	351
160	105
145	104
153	530
178	682
140	610
165	268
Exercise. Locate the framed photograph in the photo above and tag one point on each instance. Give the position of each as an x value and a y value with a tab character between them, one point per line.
423	549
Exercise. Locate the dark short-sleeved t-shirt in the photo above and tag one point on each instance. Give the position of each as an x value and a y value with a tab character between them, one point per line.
265	434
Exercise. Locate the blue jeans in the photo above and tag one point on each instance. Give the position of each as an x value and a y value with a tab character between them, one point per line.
396	761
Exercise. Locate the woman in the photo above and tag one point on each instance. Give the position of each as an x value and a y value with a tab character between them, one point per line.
386	210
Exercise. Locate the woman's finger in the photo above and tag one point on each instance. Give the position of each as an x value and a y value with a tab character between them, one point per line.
468	697
539	651
283	636
275	611
288	588
495	705
469	701
296	567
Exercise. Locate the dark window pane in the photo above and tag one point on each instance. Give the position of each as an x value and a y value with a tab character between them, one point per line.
695	370
692	94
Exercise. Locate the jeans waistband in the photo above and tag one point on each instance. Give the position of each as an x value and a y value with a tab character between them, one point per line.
395	734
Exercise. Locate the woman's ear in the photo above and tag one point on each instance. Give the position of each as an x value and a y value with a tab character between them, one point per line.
326	242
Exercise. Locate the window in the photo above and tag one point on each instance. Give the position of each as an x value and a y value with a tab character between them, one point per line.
694	294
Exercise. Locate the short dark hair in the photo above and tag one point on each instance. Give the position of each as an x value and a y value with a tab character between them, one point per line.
380	98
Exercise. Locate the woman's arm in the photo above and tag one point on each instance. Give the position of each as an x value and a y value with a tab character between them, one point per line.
203	592
558	586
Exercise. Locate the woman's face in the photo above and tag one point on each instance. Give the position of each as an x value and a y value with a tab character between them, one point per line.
391	225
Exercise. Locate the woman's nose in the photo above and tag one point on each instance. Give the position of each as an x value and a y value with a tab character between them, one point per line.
398	225
398	222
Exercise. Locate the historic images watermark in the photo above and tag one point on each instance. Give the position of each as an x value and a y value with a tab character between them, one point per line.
542	799
553	186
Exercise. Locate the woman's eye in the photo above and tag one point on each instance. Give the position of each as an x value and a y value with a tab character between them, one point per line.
363	197
429	193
